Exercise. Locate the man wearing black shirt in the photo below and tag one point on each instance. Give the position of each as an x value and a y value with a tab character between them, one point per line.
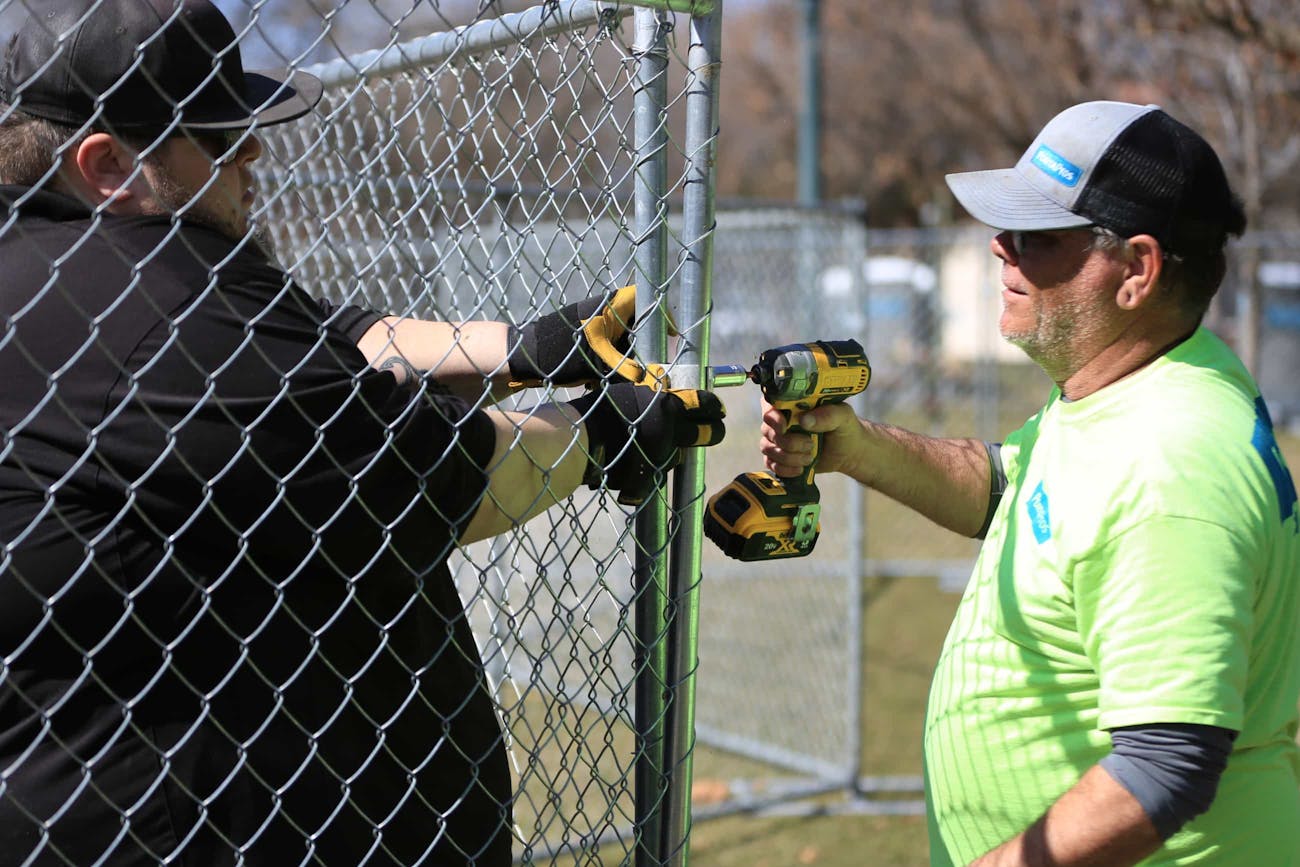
227	627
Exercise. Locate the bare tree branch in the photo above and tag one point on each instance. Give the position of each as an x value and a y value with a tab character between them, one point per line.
1276	33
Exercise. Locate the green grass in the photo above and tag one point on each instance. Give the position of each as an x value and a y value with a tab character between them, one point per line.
828	841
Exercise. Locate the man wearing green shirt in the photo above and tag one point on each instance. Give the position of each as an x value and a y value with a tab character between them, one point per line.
1119	684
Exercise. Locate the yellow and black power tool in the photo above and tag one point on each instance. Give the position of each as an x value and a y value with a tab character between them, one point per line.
760	516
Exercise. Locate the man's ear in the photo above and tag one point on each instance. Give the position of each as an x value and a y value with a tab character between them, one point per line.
102	171
1142	267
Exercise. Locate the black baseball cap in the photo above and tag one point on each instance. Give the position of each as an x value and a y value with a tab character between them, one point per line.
143	64
1129	168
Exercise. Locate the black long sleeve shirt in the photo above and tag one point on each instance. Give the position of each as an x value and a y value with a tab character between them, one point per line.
227	625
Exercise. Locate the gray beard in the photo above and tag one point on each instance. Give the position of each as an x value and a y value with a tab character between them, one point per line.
1054	341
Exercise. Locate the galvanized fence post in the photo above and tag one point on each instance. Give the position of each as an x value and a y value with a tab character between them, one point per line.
693	310
855	243
650	579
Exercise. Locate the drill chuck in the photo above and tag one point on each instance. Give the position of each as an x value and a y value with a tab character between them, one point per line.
793	376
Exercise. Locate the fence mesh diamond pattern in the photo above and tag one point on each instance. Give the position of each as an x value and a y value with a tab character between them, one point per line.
494	182
480	173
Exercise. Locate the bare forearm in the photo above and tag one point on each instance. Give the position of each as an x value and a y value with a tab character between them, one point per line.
1097	823
947	480
539	459
466	357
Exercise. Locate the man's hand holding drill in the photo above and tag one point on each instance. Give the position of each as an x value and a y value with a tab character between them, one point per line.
789	454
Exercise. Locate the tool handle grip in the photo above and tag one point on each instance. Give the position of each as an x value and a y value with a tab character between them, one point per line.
804	481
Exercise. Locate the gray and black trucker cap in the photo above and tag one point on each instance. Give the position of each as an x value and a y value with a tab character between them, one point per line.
143	63
1130	168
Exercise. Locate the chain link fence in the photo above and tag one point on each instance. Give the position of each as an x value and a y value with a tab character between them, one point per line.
540	210
495	171
491	173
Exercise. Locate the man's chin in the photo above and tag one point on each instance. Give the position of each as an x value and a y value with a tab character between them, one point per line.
1026	343
241	230
1018	339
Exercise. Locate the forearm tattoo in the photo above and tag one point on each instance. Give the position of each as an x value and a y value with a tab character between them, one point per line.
398	365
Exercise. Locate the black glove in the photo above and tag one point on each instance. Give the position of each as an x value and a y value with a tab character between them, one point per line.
578	344
634	432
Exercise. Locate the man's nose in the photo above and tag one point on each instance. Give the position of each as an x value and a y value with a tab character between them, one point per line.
1003	246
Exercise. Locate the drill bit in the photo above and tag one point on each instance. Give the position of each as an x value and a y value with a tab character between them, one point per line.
727	375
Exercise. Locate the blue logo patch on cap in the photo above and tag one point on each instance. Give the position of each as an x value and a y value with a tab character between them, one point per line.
1056	166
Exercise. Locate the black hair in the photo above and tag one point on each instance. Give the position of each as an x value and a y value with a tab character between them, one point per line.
1194	276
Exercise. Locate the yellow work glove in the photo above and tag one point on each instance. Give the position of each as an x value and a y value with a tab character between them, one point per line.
581	343
636	432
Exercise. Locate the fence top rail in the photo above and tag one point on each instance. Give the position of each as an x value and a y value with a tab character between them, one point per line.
480	37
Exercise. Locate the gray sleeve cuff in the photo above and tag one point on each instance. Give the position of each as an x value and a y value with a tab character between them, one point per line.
997	485
1172	769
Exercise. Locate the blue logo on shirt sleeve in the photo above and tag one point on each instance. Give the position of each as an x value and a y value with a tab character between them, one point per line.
1266	444
1056	166
1039	517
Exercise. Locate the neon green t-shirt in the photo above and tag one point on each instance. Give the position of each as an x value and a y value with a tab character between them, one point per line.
1143	567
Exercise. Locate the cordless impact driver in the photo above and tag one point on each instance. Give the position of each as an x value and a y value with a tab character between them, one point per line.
759	516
